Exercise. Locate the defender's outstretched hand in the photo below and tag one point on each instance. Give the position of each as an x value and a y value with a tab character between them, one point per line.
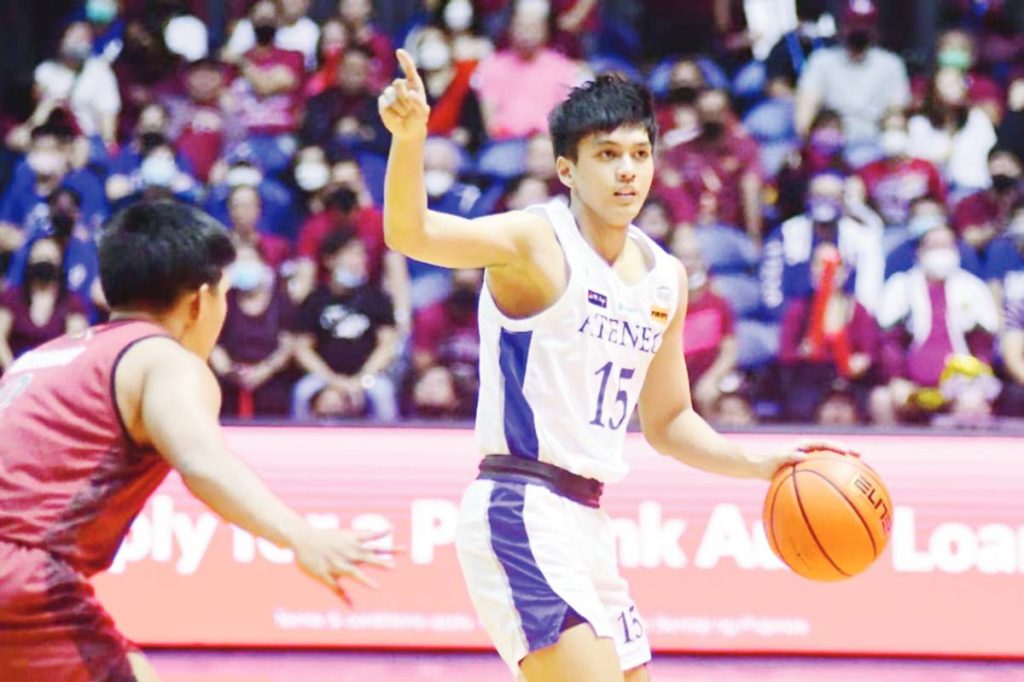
332	556
403	104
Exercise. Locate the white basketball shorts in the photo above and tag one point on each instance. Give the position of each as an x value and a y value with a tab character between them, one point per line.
536	563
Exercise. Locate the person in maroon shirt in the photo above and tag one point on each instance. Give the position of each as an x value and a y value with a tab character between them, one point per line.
718	172
445	340
253	357
980	217
709	336
90	424
891	184
200	120
245	208
268	90
828	344
41	308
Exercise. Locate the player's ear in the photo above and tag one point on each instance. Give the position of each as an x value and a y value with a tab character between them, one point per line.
565	169
196	302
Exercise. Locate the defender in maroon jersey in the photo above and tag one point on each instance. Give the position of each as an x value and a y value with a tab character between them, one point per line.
91	424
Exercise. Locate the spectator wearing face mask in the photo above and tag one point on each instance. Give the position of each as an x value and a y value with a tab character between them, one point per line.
858	80
85	84
295	32
956	49
454	108
357	16
446	352
953	133
346	340
717	174
463	23
41	308
678	120
242	168
930	314
107	26
64	224
158	176
891	184
788	57
518	86
826	337
830	219
200	121
926	214
253	356
245	210
1006	277
822	151
46	167
709	335
268	91
345	114
980	217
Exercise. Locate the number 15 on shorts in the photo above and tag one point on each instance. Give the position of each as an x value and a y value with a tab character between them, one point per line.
630	626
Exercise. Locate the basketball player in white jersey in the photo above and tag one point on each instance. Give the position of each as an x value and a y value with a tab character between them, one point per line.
581	319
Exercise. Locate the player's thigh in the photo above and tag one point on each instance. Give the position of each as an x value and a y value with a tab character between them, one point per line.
142	668
638	674
579	654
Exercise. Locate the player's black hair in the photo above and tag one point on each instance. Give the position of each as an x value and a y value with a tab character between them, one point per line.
600	105
153	252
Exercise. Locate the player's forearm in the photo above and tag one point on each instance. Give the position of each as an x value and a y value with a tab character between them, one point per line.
689	439
232	490
405	197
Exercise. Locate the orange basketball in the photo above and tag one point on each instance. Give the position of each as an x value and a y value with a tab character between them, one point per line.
829	517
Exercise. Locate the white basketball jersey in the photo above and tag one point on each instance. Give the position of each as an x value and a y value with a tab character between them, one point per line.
560	386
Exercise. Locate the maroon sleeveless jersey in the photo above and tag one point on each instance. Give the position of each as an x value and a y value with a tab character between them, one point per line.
71	479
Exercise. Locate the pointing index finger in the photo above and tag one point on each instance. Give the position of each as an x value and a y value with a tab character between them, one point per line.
409	68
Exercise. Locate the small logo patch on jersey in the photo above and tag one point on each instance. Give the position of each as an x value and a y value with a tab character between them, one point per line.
659	315
662	295
594	298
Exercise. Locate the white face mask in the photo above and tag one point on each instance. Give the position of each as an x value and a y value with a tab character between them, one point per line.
348	279
434	54
158	170
246	176
940	263
696	279
46	163
438	182
894	142
311	176
458	15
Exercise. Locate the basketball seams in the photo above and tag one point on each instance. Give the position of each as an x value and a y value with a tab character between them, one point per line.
810	529
863	521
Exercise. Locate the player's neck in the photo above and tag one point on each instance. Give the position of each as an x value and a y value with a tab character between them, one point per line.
607	239
173	326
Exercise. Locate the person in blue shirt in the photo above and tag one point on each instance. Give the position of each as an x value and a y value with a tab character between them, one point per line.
927	214
64	223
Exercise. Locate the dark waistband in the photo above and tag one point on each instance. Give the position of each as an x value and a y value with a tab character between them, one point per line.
585	491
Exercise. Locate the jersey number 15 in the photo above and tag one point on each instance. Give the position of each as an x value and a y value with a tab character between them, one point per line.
621	397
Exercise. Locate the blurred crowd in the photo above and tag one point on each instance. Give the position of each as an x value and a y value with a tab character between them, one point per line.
842	179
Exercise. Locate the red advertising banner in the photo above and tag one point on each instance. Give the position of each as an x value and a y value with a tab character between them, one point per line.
691	544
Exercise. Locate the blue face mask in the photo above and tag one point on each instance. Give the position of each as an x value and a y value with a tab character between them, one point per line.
923	224
824	211
248	275
100	11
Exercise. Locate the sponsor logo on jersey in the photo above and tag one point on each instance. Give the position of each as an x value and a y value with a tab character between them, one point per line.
659	315
598	299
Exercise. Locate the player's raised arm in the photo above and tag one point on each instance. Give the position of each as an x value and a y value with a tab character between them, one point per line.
429	236
178	403
674	428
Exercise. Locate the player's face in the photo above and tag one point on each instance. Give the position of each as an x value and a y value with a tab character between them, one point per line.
612	173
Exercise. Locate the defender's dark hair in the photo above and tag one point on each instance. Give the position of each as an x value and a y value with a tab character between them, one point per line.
153	252
600	105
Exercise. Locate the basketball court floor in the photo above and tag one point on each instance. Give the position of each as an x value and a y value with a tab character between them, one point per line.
324	666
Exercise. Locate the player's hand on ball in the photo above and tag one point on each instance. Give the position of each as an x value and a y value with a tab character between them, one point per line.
403	104
332	556
769	465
